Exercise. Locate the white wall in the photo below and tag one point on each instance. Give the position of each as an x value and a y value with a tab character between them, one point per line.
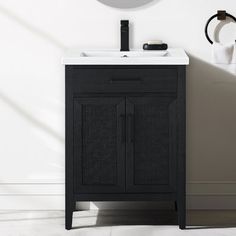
34	35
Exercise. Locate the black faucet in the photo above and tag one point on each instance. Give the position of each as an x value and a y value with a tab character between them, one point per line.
124	34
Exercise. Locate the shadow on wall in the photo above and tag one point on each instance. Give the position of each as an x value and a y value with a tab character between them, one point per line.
33	29
9	101
211	116
30	117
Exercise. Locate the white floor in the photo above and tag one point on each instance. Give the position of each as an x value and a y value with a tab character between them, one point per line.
51	223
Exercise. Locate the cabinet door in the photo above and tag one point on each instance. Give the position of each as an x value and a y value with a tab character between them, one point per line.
151	144
99	145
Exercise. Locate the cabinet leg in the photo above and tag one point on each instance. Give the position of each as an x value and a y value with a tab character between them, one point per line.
181	214
70	207
68	219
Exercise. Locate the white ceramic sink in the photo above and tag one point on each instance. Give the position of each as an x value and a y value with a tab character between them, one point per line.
173	56
116	54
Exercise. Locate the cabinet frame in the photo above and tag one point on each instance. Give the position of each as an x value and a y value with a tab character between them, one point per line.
73	90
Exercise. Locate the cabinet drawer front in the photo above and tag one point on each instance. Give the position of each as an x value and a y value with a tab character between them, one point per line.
107	80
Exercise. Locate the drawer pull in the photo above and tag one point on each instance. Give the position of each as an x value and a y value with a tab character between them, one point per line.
125	80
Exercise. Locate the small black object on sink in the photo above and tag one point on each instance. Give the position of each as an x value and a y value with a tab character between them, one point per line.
162	46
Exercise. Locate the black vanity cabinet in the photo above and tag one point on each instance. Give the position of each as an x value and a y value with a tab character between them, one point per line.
125	135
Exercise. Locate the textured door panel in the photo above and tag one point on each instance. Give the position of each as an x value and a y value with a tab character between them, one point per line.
99	145
151	143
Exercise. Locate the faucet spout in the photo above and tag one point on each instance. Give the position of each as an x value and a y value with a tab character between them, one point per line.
124	32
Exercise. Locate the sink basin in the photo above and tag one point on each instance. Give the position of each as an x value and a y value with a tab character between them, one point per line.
117	54
172	56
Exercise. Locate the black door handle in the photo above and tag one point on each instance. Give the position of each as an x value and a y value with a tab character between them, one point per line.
123	129
131	128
